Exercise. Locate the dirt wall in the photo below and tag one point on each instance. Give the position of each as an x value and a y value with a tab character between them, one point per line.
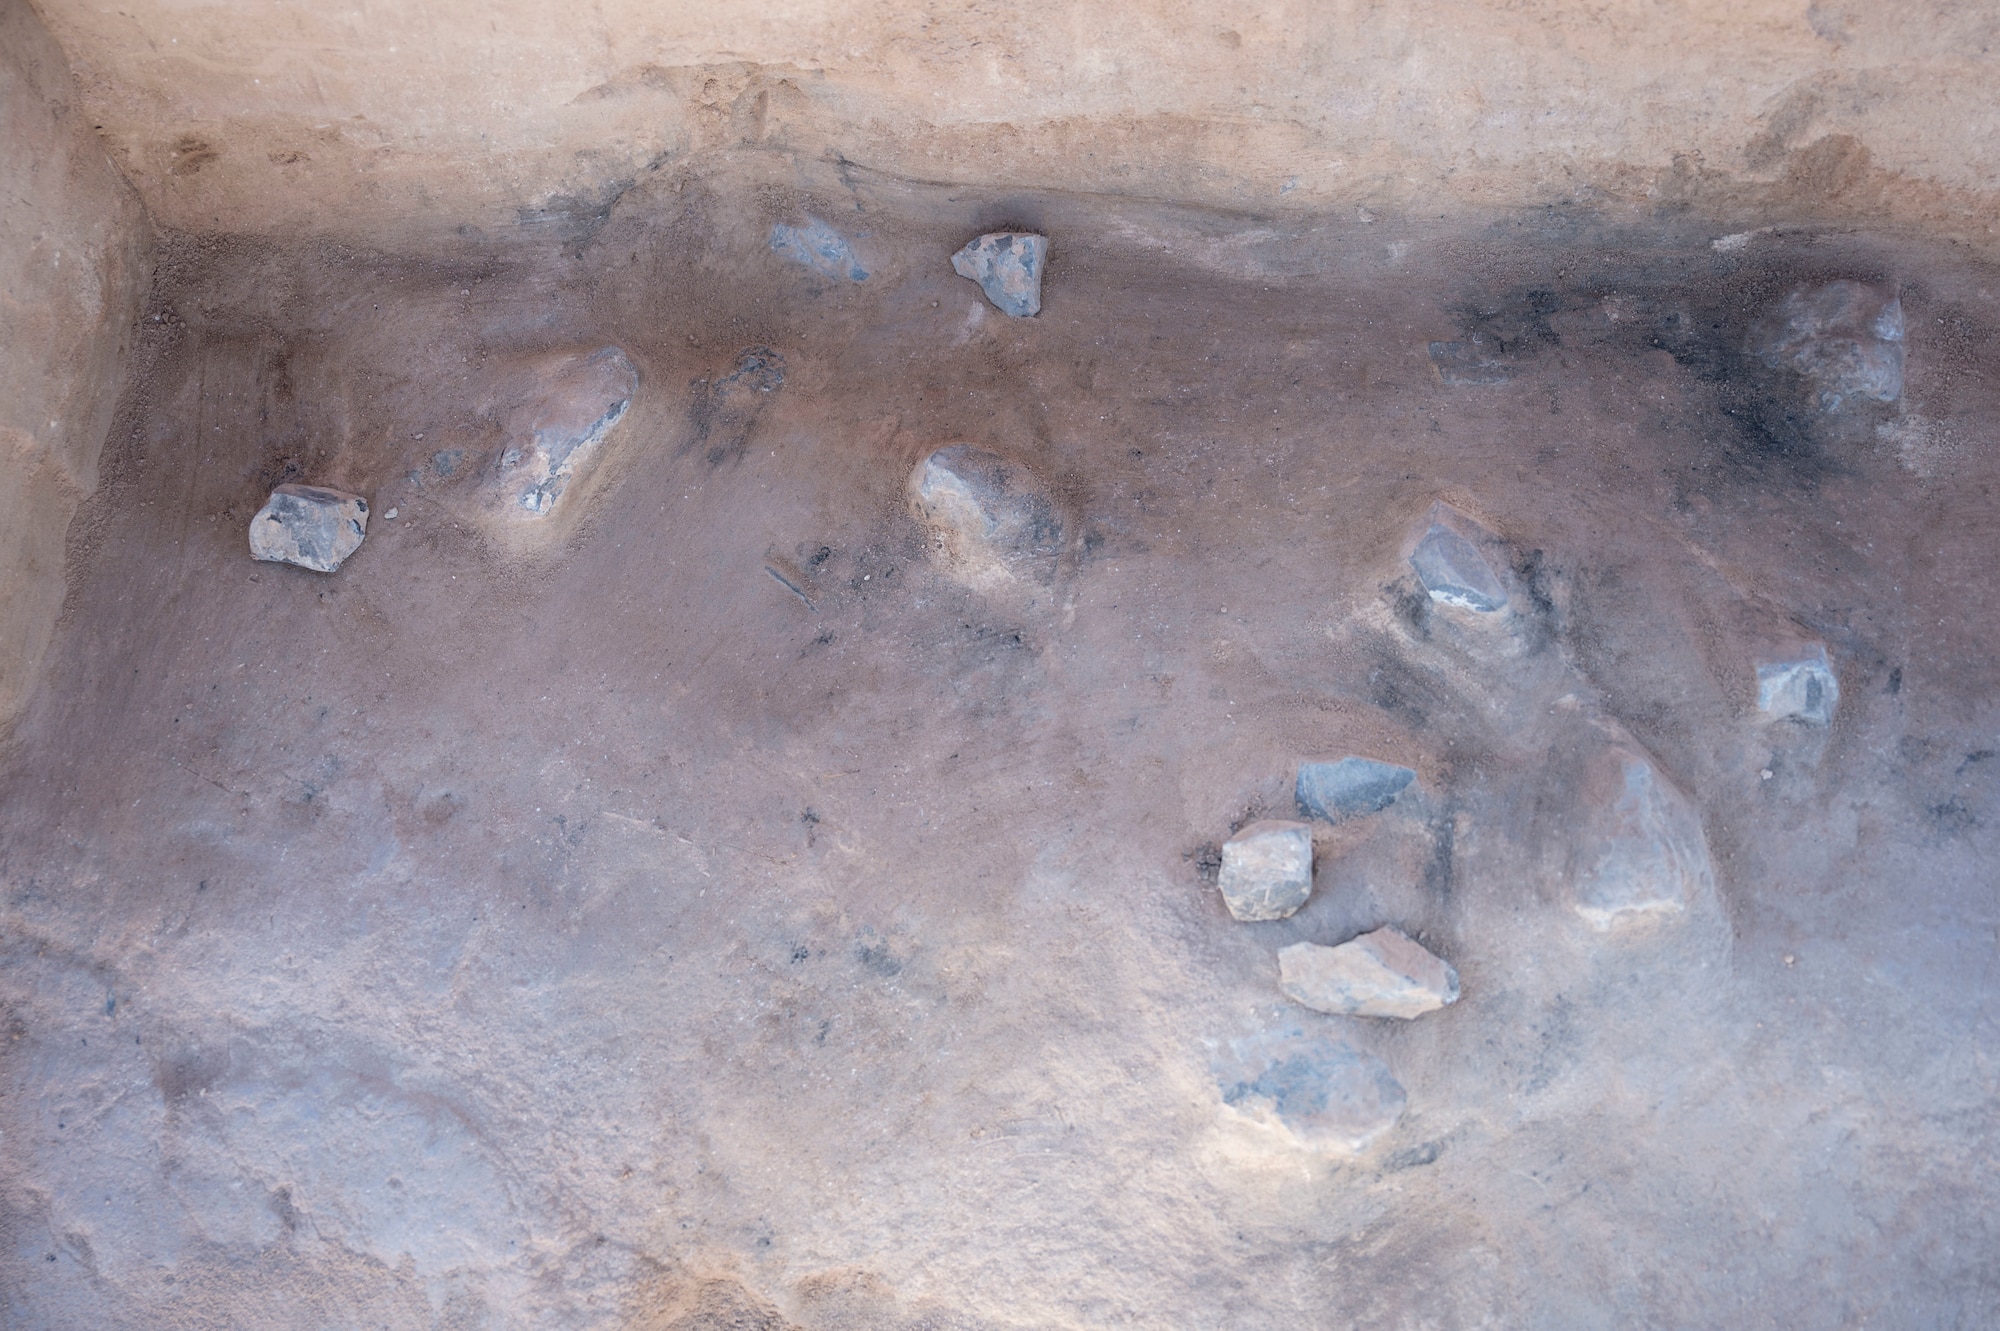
73	239
393	118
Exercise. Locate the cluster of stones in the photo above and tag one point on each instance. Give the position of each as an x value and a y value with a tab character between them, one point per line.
1640	858
993	522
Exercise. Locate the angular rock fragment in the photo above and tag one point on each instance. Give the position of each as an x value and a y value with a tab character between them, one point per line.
1847	337
310	526
1327	1094
1349	788
1478	361
817	246
1642	855
573	404
1381	974
989	518
1267	869
1804	689
1008	267
1450	564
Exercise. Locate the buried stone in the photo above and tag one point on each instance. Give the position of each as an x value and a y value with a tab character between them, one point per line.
1448	562
1008	267
1845	337
817	246
1325	1094
1349	788
987	515
1642	857
310	526
1380	974
1804	689
558	431
1267	870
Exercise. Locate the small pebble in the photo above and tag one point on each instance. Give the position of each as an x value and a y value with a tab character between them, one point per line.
390	514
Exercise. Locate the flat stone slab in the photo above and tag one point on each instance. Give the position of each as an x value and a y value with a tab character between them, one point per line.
1846	337
1477	361
815	245
1349	788
1327	1094
575	402
1450	564
1379	974
1642	856
310	526
1803	689
988	515
1008	267
1267	869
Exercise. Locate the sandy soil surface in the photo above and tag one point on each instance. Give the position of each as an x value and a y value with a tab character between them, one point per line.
708	912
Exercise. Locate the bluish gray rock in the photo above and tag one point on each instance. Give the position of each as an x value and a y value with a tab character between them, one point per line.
1379	974
1451	566
1804	689
989	520
1008	267
1328	1095
1846	337
817	246
1349	788
1267	869
571	406
310	526
1642	856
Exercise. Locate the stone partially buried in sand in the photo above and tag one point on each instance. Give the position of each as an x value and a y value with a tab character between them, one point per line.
1845	337
1380	974
1008	267
1349	788
1450	564
310	526
1267	870
987	515
1327	1095
571	406
1802	689
1642	856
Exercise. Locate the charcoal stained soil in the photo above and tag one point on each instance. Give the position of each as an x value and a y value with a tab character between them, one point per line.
700	910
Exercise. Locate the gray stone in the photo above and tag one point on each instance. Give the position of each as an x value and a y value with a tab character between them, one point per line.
557	434
1267	869
1327	1094
1349	788
817	246
1642	856
1449	563
1804	689
988	516
1478	361
1846	337
1008	267
310	526
1381	974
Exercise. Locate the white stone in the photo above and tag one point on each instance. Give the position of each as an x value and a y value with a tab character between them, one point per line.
1267	869
310	526
558	431
1379	974
1846	337
1642	856
988	516
1804	688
